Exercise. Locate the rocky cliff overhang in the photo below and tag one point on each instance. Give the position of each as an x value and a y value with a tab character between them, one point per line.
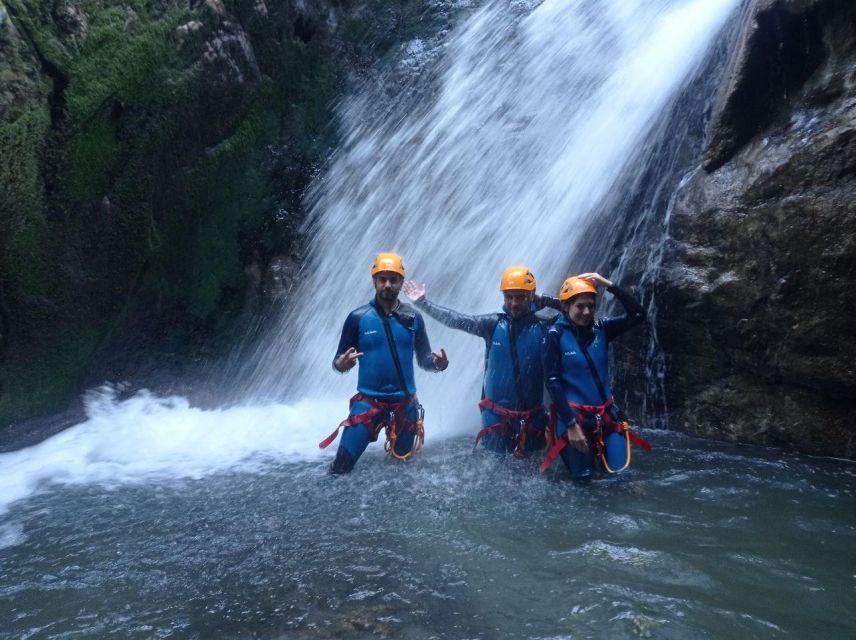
756	292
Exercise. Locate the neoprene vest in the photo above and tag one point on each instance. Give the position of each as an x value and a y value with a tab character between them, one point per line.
378	376
577	380
499	383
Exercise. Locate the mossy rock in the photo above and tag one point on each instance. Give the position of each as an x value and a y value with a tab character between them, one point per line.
137	193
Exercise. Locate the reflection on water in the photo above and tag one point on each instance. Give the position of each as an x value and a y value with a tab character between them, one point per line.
702	541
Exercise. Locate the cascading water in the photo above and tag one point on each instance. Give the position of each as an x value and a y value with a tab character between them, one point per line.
540	109
537	110
156	519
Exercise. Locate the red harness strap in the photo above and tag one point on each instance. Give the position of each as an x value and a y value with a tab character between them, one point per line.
554	452
606	425
637	440
507	415
367	416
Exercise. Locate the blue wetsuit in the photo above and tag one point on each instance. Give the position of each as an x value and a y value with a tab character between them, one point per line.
367	329
569	377
513	376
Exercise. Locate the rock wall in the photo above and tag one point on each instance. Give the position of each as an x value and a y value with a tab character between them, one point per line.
153	158
755	294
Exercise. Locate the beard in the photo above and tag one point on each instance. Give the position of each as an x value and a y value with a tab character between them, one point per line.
387	294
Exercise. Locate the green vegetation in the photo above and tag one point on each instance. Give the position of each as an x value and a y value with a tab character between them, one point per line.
137	185
22	214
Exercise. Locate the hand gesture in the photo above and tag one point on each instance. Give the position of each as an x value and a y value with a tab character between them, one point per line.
596	278
441	361
347	360
414	291
577	438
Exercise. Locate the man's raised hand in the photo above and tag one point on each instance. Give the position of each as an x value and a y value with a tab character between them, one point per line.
414	291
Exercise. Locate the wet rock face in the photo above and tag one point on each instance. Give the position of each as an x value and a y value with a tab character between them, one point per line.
756	294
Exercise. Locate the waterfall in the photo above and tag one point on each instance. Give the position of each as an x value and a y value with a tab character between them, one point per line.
519	141
539	109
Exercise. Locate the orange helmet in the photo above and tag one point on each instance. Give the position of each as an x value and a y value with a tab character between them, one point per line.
574	286
388	262
517	278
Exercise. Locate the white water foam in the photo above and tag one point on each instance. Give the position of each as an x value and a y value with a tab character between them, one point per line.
146	437
540	109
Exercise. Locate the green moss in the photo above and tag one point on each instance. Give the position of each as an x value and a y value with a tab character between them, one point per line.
315	86
227	197
128	56
22	202
35	18
36	386
92	155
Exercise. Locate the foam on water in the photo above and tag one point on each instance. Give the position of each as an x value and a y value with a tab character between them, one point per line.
147	437
539	109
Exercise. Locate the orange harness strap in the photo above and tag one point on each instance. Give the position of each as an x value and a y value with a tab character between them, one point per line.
525	418
414	427
367	417
606	425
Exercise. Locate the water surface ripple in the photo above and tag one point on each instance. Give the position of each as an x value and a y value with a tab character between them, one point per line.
702	541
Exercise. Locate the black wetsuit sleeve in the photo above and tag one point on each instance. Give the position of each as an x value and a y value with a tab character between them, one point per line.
551	360
350	337
634	314
549	302
424	357
481	326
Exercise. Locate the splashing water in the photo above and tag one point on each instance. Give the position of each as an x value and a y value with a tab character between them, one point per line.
538	111
222	523
538	114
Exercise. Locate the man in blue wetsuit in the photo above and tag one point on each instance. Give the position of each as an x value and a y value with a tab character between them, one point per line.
383	336
576	368
513	416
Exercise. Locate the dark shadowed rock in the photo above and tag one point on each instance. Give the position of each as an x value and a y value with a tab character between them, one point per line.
757	289
228	59
780	46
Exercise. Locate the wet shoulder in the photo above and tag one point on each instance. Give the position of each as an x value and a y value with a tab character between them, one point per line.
546	319
553	330
408	315
357	315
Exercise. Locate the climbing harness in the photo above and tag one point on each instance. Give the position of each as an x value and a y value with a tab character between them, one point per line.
524	419
415	427
605	425
393	423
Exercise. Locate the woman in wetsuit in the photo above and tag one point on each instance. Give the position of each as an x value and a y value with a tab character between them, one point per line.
575	356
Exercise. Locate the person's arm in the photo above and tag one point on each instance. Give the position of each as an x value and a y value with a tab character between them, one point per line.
475	325
551	358
480	326
424	357
548	302
347	354
634	314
